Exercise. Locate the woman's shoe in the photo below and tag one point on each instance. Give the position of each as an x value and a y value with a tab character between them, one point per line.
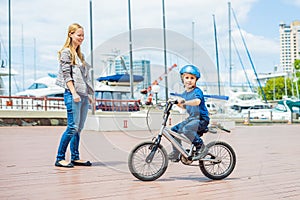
63	163
81	163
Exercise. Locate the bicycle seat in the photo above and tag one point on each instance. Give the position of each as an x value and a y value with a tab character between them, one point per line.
201	132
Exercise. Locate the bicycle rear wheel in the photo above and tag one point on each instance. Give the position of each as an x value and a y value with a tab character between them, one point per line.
219	162
147	171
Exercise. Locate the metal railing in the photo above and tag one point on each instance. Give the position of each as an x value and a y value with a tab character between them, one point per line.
32	103
57	104
118	105
270	115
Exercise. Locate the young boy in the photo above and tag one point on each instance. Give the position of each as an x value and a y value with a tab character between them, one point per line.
198	118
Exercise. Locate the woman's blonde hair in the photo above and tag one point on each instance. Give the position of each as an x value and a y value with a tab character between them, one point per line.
68	44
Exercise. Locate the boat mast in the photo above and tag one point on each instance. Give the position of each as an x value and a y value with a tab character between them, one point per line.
130	51
165	50
250	59
92	50
34	64
9	49
217	55
3	63
229	34
193	38
23	61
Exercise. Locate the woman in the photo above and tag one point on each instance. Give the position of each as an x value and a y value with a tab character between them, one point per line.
74	76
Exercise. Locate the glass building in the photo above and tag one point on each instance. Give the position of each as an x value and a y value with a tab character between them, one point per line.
140	67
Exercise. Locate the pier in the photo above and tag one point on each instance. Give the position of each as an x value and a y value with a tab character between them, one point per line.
267	166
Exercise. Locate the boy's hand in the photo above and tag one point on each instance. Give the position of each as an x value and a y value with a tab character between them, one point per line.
181	101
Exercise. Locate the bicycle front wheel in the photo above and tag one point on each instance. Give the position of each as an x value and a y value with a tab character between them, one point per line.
147	171
219	162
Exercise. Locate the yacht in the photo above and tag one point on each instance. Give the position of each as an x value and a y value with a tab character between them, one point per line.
112	93
43	87
241	101
284	110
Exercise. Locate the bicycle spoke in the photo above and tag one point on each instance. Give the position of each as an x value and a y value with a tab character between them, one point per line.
222	153
144	168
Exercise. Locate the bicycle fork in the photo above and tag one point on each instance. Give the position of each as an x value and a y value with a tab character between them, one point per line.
153	150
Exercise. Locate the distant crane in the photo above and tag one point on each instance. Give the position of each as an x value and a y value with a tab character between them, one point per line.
159	79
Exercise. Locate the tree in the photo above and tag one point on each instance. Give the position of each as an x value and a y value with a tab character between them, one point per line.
297	64
279	85
296	76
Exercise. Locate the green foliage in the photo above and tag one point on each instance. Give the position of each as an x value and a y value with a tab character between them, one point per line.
278	84
297	64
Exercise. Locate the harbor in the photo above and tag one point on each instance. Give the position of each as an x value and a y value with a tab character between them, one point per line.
42	111
128	63
266	167
127	82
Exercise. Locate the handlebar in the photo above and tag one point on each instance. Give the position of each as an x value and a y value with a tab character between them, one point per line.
171	102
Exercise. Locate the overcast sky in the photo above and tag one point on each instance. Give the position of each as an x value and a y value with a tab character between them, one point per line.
46	22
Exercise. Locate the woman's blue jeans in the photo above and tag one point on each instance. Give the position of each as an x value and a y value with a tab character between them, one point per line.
76	116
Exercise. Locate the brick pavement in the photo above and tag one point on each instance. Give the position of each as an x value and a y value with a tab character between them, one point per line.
267	167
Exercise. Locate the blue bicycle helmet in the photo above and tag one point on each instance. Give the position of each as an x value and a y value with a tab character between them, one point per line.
190	69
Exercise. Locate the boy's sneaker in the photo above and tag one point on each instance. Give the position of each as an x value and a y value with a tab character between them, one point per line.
201	152
173	157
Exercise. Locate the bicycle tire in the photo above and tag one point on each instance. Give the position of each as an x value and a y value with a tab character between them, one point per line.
222	169
144	171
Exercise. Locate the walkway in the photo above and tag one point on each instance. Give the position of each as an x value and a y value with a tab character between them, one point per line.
267	167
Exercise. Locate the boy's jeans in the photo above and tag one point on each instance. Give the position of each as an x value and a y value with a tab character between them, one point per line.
76	116
189	127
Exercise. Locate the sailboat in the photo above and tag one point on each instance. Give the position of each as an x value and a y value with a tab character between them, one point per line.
243	100
4	72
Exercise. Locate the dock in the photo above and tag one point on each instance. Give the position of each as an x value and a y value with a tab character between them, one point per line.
267	166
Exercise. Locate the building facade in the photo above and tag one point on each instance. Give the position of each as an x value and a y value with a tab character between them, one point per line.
140	67
289	45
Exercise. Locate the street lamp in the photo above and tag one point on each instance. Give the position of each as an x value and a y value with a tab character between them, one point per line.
155	89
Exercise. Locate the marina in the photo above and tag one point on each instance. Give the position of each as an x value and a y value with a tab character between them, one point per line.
113	105
251	94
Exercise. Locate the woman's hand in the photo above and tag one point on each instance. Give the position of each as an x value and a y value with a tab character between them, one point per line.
71	87
76	97
91	100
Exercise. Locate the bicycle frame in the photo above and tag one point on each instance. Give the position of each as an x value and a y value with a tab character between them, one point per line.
170	135
217	164
167	133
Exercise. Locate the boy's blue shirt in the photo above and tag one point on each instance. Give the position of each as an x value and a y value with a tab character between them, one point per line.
200	111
